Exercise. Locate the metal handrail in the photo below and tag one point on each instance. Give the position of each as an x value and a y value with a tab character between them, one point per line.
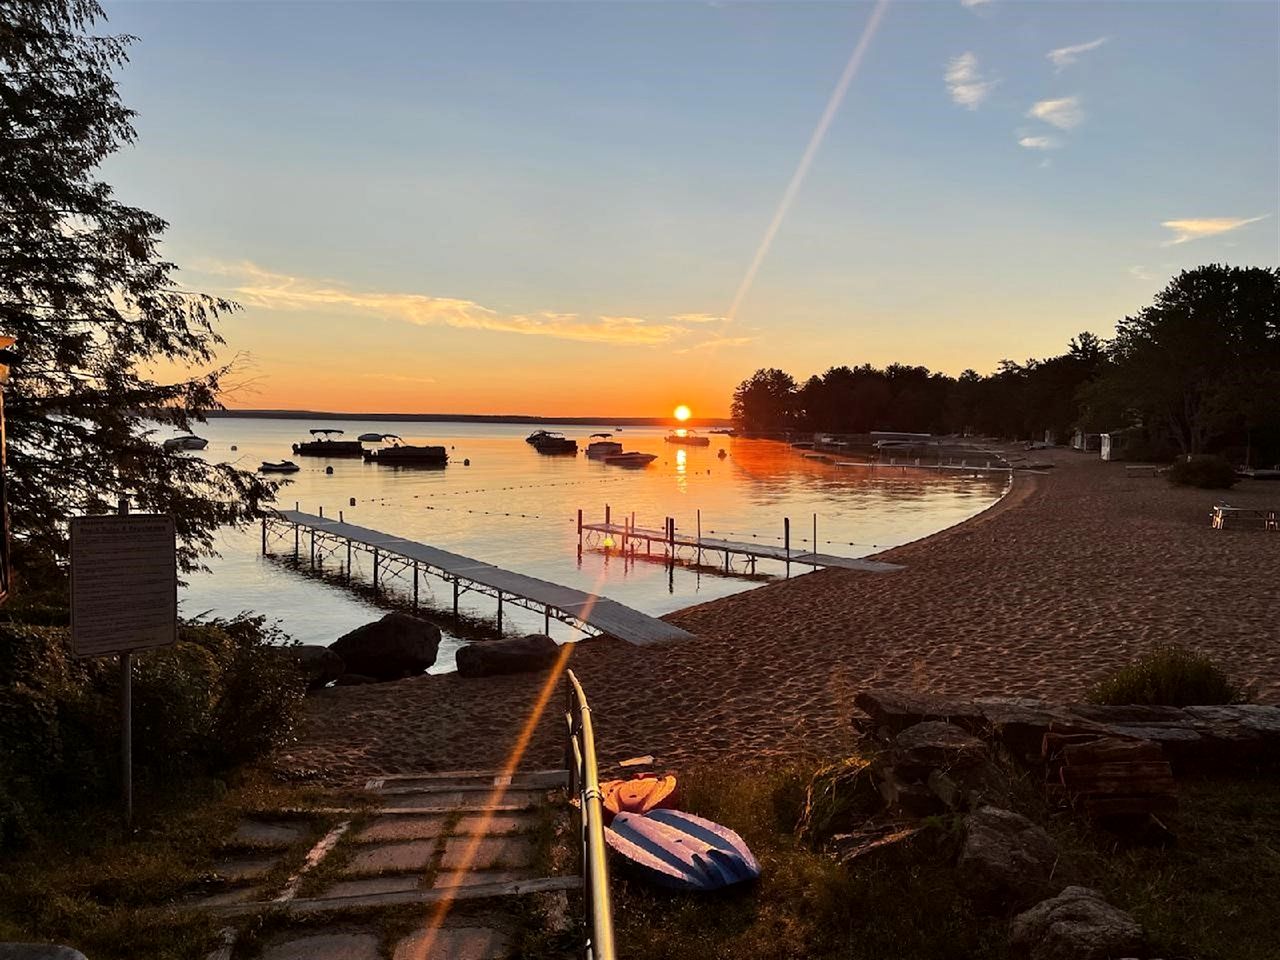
584	780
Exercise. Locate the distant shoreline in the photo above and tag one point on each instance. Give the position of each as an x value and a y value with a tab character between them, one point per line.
462	418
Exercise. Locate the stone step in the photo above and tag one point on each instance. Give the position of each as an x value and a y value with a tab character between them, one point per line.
467	780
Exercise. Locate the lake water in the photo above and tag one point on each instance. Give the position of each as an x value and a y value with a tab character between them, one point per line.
516	508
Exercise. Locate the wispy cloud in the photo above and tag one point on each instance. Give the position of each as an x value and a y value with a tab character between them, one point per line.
965	81
697	318
1198	229
1140	273
1040	143
1065	56
717	342
973	3
1064	113
265	289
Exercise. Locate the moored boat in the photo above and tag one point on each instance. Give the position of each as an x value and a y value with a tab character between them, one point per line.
323	444
278	466
554	443
688	438
401	453
598	449
370	437
632	459
187	442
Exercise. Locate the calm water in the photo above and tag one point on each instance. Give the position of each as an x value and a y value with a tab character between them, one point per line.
517	508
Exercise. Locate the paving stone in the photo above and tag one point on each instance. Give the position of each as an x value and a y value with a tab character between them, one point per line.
470	799
256	833
222	899
447	879
237	869
454	943
484	853
403	828
497	823
359	888
326	946
391	857
445	801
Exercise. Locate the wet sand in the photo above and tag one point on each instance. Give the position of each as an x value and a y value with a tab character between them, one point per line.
1070	576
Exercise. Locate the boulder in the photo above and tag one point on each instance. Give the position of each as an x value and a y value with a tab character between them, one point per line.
1077	924
513	655
396	646
38	951
1020	723
1006	860
894	710
320	665
934	745
840	799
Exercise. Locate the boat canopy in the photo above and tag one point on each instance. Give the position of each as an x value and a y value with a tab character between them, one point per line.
318	431
606	435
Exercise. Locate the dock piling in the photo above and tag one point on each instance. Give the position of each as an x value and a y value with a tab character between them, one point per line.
786	541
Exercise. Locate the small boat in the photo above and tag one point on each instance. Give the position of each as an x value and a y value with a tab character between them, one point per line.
640	794
724	431
538	435
680	851
370	437
688	438
323	444
598	449
187	442
408	454
631	459
279	466
554	443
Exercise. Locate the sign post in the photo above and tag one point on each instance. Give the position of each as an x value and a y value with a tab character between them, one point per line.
124	597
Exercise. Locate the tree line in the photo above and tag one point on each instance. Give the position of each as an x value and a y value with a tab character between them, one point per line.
1195	371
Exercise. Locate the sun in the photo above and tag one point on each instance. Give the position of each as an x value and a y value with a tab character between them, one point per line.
682	413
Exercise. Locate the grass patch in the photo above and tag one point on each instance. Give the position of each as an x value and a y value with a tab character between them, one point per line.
84	884
1170	676
1213	895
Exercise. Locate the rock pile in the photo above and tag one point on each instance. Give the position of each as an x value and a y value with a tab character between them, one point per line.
392	648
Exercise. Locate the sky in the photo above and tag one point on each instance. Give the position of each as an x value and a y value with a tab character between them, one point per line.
611	208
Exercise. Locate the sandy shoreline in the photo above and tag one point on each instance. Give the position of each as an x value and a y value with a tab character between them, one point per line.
1067	577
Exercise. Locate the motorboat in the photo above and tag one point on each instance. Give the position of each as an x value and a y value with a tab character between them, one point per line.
725	431
407	454
539	435
278	466
187	442
598	449
370	437
633	459
554	443
688	438
324	444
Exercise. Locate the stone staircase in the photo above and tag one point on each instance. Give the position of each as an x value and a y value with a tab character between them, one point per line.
459	844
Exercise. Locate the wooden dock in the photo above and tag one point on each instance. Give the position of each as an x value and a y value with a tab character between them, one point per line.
627	535
325	538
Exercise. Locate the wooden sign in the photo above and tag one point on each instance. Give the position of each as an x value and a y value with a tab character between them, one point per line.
124	584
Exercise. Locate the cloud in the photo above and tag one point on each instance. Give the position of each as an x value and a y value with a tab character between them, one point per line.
1065	56
262	288
697	318
1198	229
965	83
1064	113
1040	143
973	3
1140	273
717	342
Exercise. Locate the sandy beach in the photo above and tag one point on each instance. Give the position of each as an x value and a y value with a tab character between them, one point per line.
1071	575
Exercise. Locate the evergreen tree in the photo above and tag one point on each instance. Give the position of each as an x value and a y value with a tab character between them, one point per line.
95	308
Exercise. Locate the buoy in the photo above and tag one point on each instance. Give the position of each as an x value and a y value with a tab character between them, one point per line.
353	502
466	462
234	447
329	470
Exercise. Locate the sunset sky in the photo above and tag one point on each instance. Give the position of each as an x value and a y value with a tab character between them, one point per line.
553	208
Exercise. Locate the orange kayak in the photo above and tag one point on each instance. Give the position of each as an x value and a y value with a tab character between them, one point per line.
640	794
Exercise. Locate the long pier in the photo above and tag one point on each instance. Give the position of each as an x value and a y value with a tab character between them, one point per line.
668	539
323	537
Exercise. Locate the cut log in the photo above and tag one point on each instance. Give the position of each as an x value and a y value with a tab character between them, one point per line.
1111	750
1119	779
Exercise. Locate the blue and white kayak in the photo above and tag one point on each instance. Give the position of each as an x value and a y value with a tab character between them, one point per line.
680	851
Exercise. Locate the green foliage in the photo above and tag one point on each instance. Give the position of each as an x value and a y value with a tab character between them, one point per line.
840	797
1170	676
221	696
1205	471
92	304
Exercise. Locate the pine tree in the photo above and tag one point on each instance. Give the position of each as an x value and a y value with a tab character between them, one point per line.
95	308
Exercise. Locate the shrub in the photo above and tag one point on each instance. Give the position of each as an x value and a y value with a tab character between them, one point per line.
1206	472
1168	676
221	696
